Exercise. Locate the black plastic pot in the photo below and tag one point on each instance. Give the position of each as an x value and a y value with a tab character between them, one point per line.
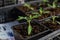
33	37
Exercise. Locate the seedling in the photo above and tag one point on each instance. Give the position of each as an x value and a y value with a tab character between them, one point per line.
54	5
53	18
28	5
42	11
29	18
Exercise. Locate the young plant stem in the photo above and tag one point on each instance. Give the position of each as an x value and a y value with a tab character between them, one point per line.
41	11
29	24
53	18
29	27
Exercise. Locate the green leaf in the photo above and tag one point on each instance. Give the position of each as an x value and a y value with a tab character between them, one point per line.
29	6
26	4
36	16
29	29
25	17
53	18
35	13
46	11
45	0
49	5
41	10
54	5
30	17
58	22
20	18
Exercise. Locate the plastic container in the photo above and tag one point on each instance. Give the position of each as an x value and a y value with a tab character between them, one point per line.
52	36
33	37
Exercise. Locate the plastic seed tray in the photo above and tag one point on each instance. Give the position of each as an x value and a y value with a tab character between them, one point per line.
53	36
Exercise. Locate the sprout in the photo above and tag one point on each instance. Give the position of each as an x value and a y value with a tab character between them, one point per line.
29	6
43	11
53	18
29	18
54	5
20	18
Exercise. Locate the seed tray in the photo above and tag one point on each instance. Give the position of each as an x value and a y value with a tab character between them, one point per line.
37	36
54	35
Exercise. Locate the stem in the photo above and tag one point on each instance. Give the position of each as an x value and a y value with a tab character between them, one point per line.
29	28
41	11
53	19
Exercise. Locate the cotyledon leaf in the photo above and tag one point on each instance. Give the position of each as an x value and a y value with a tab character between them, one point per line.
20	18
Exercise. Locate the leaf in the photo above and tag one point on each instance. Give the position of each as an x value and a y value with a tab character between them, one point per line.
46	11
45	0
49	5
30	17
54	5
53	18
47	20
20	18
26	4
36	16
58	22
29	6
35	13
41	10
29	29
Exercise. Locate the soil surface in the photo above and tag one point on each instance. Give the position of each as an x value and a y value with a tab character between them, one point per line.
51	25
22	29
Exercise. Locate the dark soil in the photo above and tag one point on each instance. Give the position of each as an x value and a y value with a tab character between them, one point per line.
24	9
56	10
51	25
44	16
22	29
